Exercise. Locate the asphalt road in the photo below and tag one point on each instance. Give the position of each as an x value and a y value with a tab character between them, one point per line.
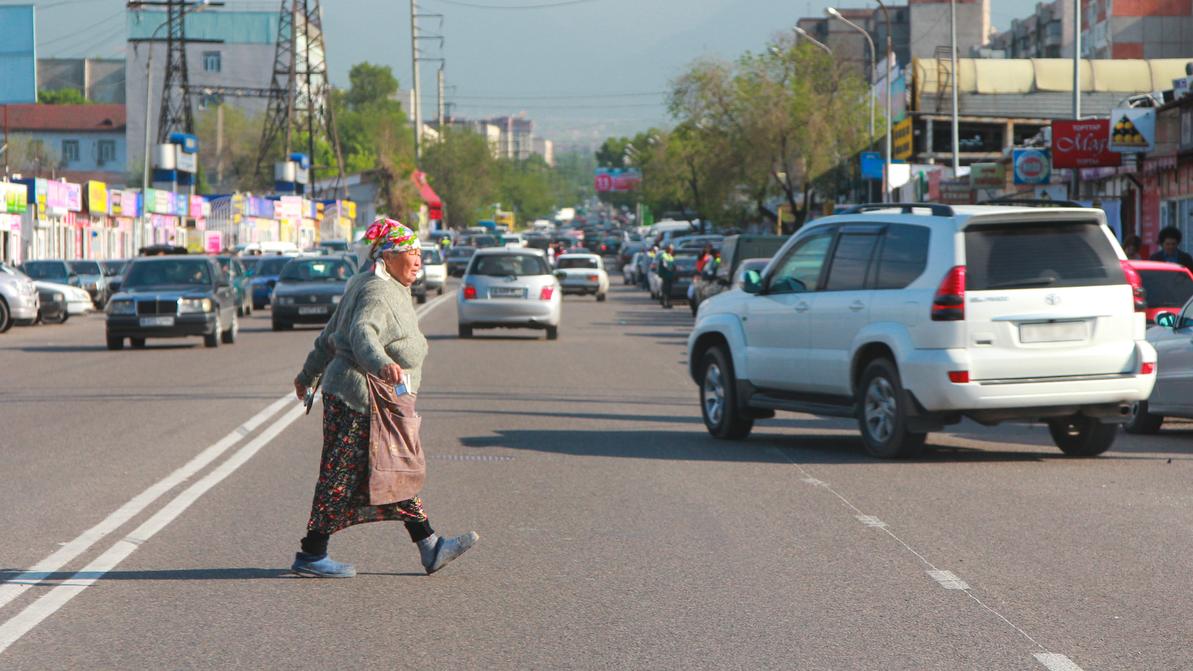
153	501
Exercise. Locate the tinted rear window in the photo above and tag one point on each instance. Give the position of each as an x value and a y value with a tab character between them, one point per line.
904	256
1166	289
573	262
501	265
1023	256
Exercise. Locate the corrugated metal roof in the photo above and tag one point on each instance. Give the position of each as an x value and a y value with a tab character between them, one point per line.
86	118
230	26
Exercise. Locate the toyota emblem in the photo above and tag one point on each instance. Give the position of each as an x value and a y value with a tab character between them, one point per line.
1052	299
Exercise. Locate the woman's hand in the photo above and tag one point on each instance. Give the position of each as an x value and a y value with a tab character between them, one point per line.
300	390
391	373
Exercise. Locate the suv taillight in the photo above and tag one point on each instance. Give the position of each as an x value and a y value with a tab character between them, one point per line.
1138	295
949	303
469	292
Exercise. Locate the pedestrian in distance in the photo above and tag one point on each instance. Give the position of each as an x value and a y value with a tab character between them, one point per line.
369	359
666	275
1170	248
1131	247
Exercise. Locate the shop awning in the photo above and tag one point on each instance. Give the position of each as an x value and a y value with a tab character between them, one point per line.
434	203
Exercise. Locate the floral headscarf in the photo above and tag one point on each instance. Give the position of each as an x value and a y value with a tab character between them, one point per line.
390	235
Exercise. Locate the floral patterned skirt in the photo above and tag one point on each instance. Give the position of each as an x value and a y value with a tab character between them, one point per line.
342	493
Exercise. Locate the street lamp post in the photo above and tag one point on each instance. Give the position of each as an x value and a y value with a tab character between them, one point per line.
890	66
956	126
807	36
834	14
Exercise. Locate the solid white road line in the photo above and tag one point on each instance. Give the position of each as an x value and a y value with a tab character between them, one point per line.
947	580
56	598
13	588
46	605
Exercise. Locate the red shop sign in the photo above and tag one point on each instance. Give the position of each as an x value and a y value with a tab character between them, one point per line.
1082	144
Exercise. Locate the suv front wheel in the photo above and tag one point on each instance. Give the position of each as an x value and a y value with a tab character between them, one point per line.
718	397
882	413
1079	436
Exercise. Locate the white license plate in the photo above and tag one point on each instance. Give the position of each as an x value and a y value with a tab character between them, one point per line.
507	292
1053	332
313	310
157	321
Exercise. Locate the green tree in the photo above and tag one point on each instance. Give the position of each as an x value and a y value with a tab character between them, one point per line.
62	97
462	170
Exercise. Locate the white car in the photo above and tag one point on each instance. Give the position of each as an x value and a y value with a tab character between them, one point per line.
509	288
435	267
910	317
78	301
582	274
1172	336
18	298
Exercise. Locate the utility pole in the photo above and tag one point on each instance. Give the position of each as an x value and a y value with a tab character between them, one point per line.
1076	184
953	55
219	144
442	116
417	101
890	70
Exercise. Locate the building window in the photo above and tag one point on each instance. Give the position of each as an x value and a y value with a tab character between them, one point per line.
107	151
211	61
70	151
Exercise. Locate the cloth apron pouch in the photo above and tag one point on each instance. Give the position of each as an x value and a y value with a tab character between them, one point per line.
397	465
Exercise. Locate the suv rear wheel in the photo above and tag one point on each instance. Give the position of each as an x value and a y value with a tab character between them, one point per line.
718	397
5	316
1142	421
882	413
1079	436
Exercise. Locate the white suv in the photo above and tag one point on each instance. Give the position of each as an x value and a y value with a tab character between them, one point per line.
910	317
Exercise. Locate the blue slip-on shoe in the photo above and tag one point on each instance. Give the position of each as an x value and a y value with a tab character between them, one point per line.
450	548
321	566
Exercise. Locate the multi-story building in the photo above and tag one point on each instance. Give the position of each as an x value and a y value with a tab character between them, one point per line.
225	48
76	142
929	30
517	136
545	148
1137	29
849	46
1047	33
100	80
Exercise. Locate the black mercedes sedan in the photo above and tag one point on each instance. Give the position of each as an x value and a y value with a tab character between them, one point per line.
173	297
308	290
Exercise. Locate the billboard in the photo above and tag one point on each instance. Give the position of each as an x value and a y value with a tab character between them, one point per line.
18	55
617	180
1132	131
987	176
1083	144
901	140
1032	166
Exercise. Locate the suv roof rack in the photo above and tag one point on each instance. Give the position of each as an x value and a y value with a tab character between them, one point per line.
937	209
1031	202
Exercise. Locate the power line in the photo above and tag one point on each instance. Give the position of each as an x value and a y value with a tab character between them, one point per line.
573	107
561	96
545	5
88	29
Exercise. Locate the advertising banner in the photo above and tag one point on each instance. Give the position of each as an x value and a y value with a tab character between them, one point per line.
872	165
987	175
13	198
74	197
1031	166
213	242
956	192
1082	144
97	197
902	140
617	180
288	208
54	197
1132	131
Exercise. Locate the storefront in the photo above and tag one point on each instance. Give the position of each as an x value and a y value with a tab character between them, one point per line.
13	203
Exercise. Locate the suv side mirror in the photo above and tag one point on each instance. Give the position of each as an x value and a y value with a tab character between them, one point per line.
752	282
1166	319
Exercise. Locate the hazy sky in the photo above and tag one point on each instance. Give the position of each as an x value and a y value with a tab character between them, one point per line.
581	70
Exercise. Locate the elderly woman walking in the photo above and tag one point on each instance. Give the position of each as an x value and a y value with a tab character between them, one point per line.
370	357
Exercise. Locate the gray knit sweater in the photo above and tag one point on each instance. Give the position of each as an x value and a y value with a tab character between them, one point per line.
373	326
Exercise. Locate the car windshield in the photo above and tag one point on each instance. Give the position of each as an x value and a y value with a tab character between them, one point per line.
46	270
9	270
685	262
143	274
113	268
1166	288
272	265
86	267
316	270
250	262
576	262
461	252
432	256
504	265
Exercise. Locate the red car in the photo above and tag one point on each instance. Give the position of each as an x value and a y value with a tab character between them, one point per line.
1168	285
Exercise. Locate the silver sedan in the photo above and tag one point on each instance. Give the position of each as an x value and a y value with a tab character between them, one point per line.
509	287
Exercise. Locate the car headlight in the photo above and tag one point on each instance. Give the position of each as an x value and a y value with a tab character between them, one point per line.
192	305
284	300
58	298
335	300
122	308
